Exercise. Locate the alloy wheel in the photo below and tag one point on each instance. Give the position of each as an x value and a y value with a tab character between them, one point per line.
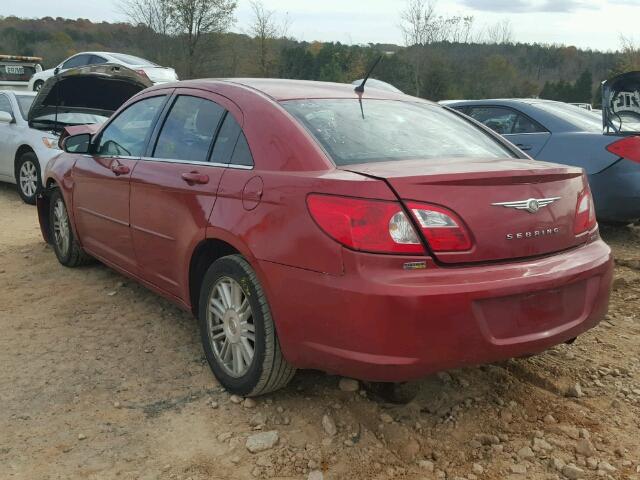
61	230
230	327
28	178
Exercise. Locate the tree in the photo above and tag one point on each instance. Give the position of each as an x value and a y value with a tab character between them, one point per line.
194	18
265	29
500	33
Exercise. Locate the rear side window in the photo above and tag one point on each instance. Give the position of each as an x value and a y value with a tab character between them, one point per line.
226	140
242	153
126	136
504	121
189	129
384	130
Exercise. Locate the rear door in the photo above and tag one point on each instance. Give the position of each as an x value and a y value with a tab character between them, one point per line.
174	187
521	130
101	182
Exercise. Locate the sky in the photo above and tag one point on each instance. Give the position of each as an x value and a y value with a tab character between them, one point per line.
596	24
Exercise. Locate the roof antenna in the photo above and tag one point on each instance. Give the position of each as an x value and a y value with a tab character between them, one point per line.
360	88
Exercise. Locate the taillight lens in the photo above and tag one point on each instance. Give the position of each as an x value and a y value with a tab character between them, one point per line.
368	225
628	147
142	73
585	213
443	229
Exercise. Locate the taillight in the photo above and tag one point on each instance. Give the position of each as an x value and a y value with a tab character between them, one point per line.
142	73
443	229
585	213
628	147
368	225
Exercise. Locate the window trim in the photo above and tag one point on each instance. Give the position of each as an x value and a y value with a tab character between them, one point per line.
513	109
98	138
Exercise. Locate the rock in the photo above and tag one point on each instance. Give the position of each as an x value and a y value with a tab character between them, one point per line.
592	463
426	465
117	405
223	437
585	448
571	432
575	391
410	450
477	469
619	283
214	404
235	459
549	419
258	419
525	453
315	475
572	472
348	385
518	469
82	436
249	403
386	418
556	464
486	439
235	399
259	442
541	444
606	467
329	426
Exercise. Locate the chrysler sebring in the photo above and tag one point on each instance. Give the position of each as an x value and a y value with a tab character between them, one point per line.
307	225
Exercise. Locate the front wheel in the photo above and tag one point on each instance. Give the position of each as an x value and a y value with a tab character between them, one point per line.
238	334
65	244
28	177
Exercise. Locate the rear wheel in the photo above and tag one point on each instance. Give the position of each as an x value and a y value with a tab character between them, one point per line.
238	334
28	177
65	244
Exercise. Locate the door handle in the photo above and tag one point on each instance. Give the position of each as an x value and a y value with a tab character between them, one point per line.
524	148
120	169
195	177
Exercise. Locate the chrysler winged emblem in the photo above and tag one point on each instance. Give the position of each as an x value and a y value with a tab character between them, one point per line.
532	205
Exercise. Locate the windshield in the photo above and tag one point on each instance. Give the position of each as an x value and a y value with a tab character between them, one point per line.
386	130
24	102
578	117
131	60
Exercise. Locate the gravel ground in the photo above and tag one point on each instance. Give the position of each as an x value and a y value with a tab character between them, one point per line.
103	379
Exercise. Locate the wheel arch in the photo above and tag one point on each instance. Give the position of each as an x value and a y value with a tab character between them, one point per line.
22	149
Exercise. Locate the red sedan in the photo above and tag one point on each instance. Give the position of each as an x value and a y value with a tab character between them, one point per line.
307	225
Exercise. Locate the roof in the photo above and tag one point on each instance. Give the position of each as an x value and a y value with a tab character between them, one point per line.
280	89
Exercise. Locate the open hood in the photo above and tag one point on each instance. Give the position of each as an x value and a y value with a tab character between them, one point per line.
84	95
621	104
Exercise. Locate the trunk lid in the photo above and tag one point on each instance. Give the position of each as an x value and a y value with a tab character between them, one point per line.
84	95
621	104
482	193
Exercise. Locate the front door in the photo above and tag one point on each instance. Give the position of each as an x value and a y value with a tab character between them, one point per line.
7	141
102	183
173	189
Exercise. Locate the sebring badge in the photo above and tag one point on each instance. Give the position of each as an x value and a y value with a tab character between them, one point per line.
532	205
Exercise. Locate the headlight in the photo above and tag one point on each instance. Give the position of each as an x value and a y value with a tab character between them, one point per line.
50	143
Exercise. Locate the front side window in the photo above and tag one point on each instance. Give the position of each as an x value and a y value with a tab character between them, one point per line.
188	130
126	136
385	130
24	102
77	61
5	104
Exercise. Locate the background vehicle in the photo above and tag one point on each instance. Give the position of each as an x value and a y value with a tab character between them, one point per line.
563	133
15	71
309	226
30	124
155	73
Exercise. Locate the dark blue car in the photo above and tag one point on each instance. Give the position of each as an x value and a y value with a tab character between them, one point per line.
607	146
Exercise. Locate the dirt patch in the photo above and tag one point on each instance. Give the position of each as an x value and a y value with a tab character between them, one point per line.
103	379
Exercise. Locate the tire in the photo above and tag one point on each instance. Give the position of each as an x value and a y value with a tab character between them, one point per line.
64	241
266	370
37	85
28	177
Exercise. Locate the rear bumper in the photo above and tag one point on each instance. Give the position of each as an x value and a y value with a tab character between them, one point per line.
379	322
616	192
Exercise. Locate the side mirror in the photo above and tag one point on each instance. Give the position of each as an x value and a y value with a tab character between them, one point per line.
6	117
80	143
56	70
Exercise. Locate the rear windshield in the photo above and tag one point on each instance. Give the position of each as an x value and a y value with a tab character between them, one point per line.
386	130
131	60
580	118
24	102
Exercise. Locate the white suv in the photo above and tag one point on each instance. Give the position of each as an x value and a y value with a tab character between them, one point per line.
155	73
